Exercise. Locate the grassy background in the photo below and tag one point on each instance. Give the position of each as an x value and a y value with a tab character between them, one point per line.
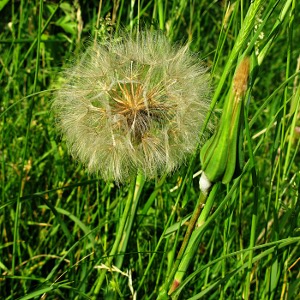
57	224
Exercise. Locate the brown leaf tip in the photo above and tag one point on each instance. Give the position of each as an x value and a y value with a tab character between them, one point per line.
240	80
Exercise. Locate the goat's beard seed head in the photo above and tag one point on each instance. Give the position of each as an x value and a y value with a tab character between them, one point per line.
135	103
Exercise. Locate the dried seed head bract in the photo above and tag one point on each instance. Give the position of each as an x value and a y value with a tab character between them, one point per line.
133	103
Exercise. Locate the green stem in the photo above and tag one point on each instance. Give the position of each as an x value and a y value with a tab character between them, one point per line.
117	241
161	14
192	222
140	180
194	241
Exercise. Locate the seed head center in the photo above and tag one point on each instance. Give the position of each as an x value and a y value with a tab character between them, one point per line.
140	110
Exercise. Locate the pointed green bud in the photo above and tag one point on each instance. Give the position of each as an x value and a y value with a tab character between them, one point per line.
220	154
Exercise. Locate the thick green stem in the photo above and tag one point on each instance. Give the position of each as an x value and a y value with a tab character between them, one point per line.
117	241
194	241
192	222
140	180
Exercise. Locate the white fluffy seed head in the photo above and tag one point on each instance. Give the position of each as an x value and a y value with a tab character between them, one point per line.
135	103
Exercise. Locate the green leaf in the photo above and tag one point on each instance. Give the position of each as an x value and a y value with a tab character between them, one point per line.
3	3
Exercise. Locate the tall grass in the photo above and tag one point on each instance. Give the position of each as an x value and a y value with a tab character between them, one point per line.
58	224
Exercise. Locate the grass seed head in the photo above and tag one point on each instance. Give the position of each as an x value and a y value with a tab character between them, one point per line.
133	103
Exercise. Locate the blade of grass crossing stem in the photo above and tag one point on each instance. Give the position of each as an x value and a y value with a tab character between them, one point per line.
194	240
114	250
198	209
192	222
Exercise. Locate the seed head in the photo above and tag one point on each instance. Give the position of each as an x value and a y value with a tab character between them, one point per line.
133	103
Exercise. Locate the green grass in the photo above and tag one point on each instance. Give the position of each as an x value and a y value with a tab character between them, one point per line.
58	224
